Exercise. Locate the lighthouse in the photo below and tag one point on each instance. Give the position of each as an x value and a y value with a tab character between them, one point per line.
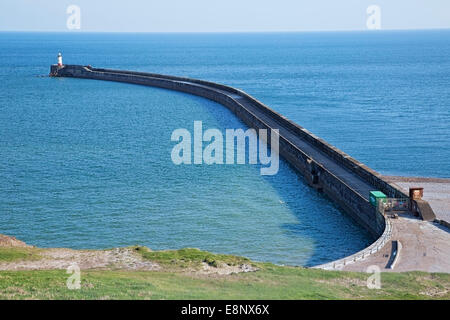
60	60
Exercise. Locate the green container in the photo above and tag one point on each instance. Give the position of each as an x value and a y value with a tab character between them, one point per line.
374	196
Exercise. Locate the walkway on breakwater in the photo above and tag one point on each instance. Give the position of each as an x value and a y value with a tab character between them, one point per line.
352	180
326	168
425	246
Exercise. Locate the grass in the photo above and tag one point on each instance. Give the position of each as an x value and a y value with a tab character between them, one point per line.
9	254
190	258
175	282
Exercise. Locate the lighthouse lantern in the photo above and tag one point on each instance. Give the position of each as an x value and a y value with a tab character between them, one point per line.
60	60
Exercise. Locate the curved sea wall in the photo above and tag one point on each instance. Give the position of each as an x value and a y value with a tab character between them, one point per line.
326	168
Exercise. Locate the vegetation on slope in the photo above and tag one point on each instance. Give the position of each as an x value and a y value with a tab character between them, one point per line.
10	254
181	277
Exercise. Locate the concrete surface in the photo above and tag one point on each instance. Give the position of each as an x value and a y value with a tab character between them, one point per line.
425	247
435	190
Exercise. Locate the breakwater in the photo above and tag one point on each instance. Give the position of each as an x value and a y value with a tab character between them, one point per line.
326	168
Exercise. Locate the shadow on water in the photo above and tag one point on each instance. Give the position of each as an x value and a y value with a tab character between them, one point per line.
333	233
324	221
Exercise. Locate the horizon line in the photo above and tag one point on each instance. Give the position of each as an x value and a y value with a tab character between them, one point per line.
236	31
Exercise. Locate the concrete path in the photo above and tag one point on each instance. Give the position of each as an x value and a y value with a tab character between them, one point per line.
351	179
425	247
435	190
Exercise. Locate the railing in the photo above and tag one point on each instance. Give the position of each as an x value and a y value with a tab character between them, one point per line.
384	206
393	204
363	254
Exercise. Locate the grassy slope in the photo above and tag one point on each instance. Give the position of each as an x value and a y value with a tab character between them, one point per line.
270	282
17	253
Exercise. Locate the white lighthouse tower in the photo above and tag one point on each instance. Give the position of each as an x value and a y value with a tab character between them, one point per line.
60	60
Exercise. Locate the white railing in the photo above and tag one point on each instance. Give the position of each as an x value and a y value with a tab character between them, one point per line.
384	206
363	254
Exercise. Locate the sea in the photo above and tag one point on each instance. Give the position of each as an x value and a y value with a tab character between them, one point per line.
87	164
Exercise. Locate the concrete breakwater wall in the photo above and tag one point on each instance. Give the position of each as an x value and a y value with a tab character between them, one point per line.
342	178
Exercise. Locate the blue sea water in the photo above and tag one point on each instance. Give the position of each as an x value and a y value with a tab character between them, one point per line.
86	164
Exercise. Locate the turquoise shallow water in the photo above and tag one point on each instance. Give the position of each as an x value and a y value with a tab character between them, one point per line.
86	164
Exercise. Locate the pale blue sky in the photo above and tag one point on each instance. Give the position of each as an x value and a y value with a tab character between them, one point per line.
221	16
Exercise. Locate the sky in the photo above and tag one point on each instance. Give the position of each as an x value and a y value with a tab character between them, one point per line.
219	15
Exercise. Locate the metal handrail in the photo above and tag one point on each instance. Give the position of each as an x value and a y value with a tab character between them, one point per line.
363	254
